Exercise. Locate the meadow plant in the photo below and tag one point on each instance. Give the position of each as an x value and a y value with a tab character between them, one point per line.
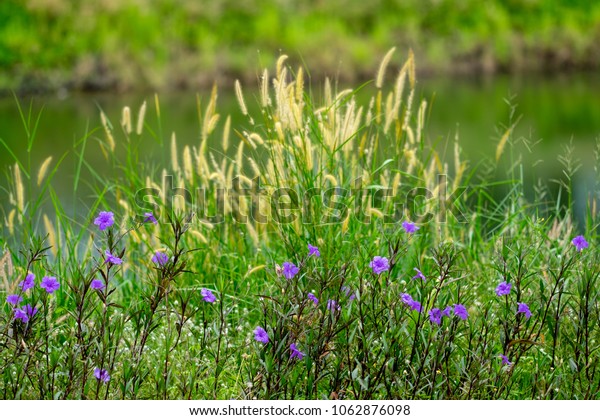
403	276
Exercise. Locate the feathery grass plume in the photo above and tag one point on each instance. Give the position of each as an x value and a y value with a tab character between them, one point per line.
239	158
371	211
51	231
503	141
43	170
6	269
140	121
188	169
174	157
279	130
256	139
331	179
408	111
279	66
226	129
19	191
157	105
421	120
398	92
125	205
198	236
108	131
126	119
265	99
382	68
300	86
10	221
240	97
254	270
389	112
255	168
346	223
208	122
411	69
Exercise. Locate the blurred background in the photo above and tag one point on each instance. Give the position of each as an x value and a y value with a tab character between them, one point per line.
481	65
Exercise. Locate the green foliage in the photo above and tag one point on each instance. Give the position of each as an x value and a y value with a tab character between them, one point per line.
133	44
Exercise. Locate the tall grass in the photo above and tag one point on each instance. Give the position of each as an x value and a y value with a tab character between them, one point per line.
229	253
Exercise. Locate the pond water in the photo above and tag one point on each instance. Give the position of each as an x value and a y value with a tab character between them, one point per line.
553	111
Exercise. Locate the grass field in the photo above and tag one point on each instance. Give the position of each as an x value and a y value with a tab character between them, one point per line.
321	250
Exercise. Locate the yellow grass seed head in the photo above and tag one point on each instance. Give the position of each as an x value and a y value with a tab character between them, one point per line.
174	158
265	99
382	67
279	66
299	85
126	119
188	169
51	231
226	129
108	131
19	190
140	121
43	170
10	221
240	97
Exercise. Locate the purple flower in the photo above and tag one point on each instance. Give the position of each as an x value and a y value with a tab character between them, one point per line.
261	335
207	295
160	258
379	265
290	270
97	284
409	227
523	309
503	289
101	375
410	302
14	300
50	284
20	314
461	312
332	305
435	316
105	220
348	292
505	360
447	311
313	298
419	275
149	217
25	313
580	243
296	354
28	283
313	251
110	258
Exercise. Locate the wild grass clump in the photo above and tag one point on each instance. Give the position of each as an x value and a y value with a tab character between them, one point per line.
319	248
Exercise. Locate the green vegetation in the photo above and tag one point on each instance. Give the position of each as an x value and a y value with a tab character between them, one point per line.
121	44
172	309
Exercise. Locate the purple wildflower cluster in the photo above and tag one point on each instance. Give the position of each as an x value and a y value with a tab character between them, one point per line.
379	265
503	289
160	258
436	314
26	312
419	275
261	335
207	296
105	220
101	375
410	302
409	227
580	243
295	353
